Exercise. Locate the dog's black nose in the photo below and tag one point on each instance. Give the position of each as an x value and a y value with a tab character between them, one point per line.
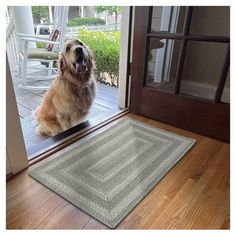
79	51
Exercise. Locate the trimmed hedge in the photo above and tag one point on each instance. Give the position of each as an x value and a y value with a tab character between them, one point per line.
78	21
106	49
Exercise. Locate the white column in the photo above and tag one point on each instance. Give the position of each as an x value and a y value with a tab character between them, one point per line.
23	19
50	14
82	12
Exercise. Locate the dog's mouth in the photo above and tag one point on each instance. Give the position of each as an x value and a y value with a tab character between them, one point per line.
80	61
80	66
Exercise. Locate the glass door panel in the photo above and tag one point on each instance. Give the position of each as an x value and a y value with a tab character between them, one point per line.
167	19
226	92
210	20
162	63
202	68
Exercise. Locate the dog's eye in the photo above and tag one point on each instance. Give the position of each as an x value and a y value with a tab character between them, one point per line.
78	42
68	48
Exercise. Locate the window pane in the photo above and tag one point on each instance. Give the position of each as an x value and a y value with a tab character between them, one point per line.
168	19
162	63
214	20
202	68
226	92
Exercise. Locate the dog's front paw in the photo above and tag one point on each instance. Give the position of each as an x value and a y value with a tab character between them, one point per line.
40	131
37	131
34	122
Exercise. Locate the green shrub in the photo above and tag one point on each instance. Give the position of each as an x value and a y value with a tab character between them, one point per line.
106	49
40	45
78	21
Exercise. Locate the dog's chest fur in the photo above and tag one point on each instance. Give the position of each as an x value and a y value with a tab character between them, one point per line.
79	98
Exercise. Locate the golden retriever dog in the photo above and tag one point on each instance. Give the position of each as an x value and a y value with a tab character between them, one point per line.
71	94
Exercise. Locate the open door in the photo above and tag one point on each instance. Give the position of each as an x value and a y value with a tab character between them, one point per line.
16	158
180	67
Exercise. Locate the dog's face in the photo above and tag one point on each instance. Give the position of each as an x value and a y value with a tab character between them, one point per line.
76	59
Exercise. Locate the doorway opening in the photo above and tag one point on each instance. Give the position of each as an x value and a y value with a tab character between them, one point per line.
95	26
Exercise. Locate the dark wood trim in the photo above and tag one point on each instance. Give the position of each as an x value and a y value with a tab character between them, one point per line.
9	176
67	141
165	35
221	84
187	21
180	65
141	22
147	45
206	38
209	119
183	48
149	26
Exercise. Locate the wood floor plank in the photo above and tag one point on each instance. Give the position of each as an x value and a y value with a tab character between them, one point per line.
73	218
94	224
107	97
105	103
32	101
193	195
23	111
30	212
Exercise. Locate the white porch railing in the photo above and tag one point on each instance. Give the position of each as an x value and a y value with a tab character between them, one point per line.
8	15
104	28
12	47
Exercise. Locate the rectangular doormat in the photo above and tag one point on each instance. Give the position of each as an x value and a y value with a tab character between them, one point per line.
109	174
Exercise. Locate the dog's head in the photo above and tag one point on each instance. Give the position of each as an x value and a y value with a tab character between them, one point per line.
76	60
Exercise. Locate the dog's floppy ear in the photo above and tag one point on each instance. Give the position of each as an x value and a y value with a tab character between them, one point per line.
91	59
61	64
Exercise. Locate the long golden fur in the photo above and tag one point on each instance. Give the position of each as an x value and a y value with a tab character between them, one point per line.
69	98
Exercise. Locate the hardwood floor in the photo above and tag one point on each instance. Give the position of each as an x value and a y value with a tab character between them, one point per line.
193	195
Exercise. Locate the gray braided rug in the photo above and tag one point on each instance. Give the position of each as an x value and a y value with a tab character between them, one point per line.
109	174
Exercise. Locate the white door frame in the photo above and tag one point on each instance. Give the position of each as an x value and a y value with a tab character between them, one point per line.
124	60
16	152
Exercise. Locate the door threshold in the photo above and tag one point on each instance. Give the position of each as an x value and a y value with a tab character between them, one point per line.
62	140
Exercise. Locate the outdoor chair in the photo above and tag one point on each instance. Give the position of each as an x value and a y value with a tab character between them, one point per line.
45	58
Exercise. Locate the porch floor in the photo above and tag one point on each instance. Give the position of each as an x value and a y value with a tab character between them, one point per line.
105	104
